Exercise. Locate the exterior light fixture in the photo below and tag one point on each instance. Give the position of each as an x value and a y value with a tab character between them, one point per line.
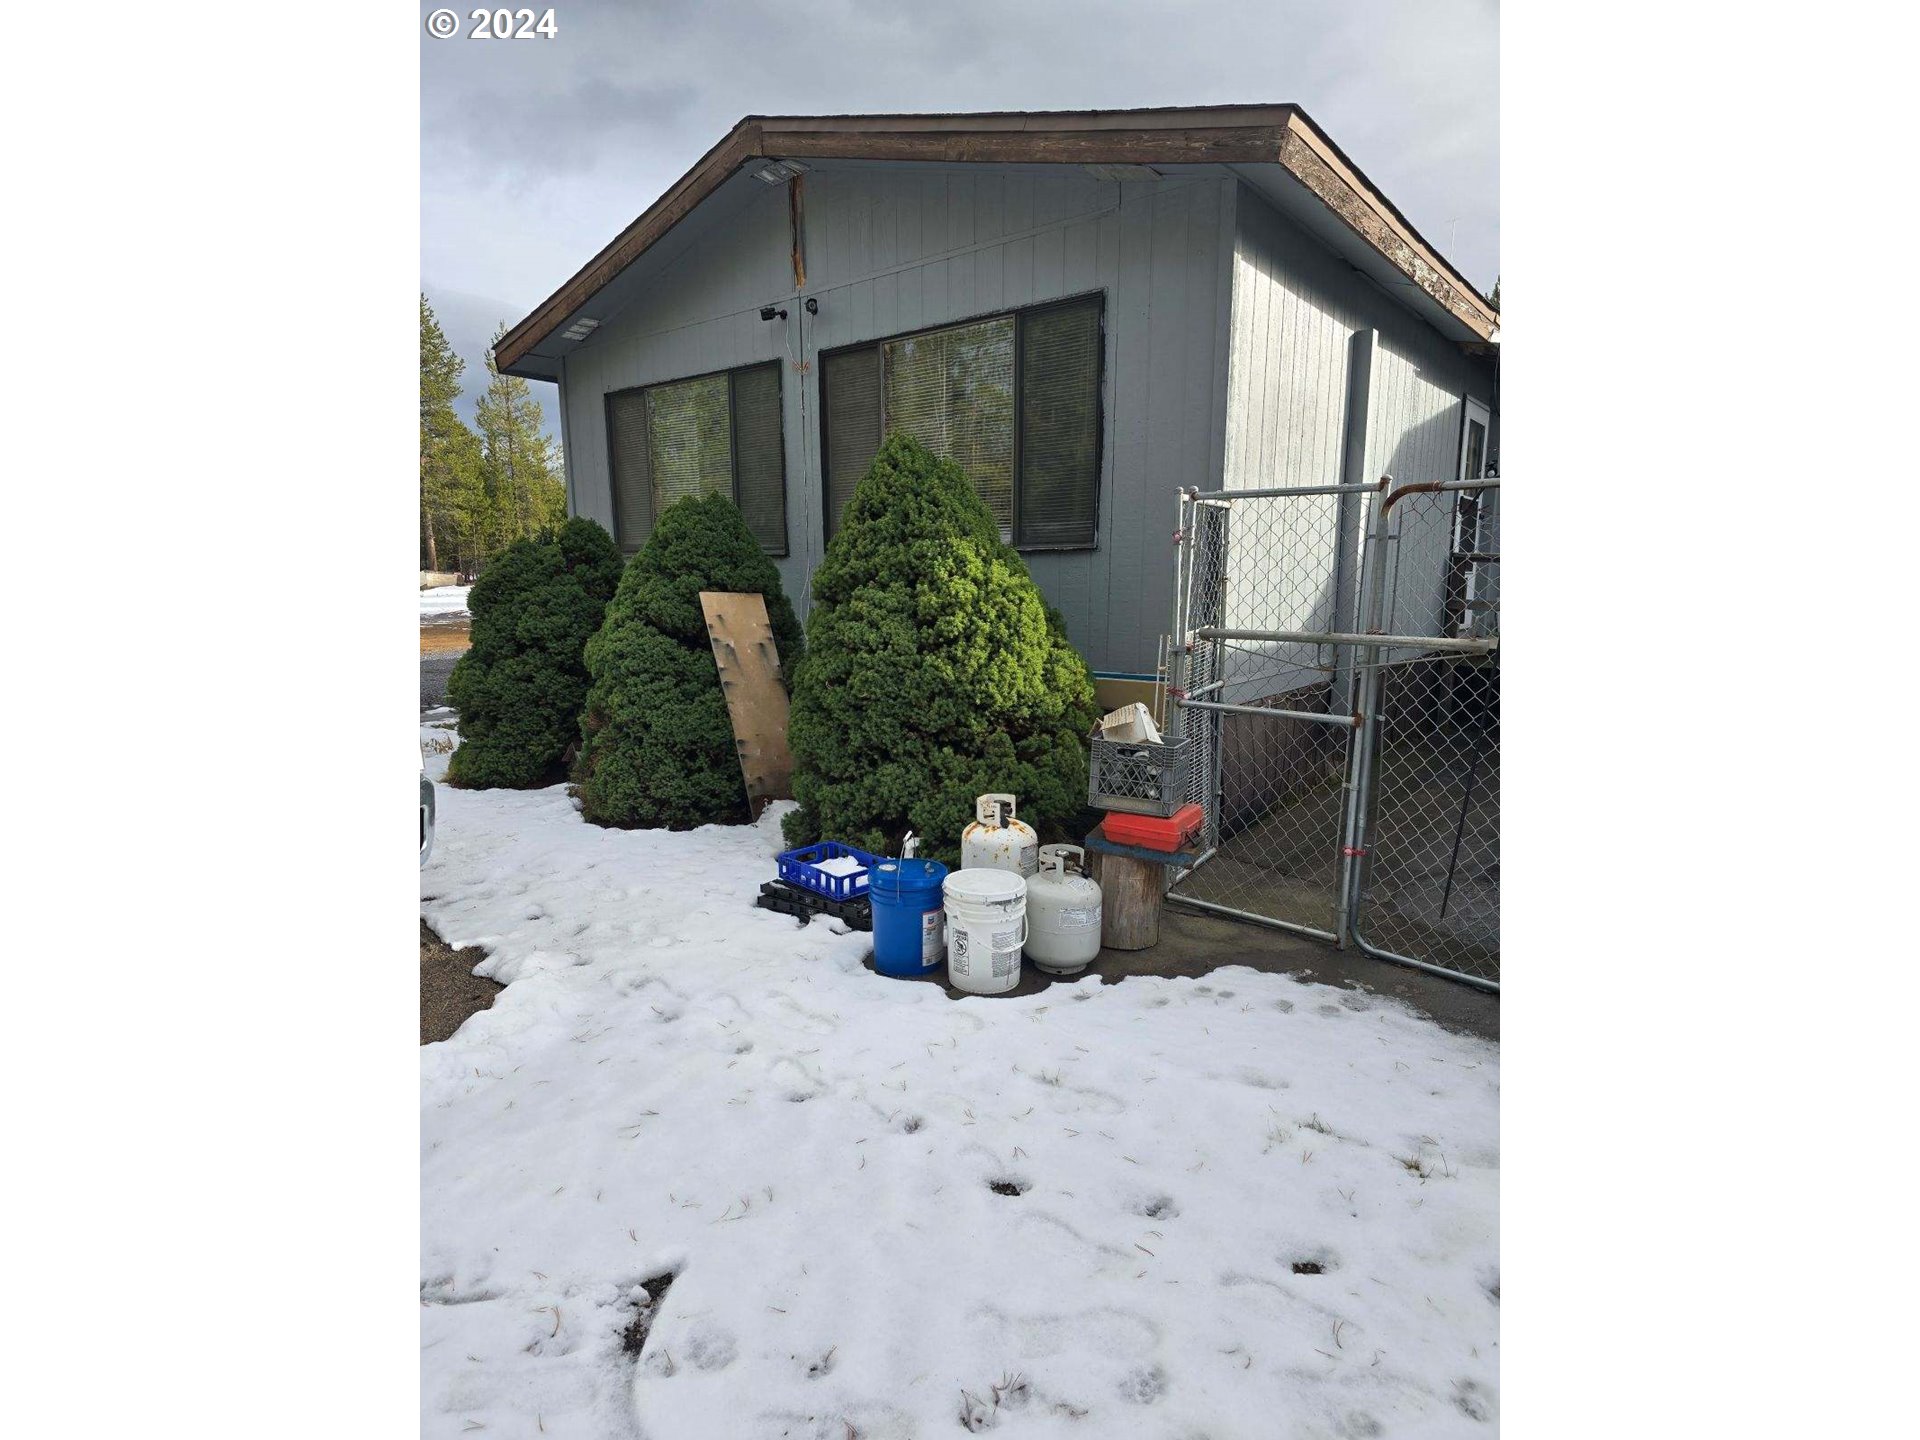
778	172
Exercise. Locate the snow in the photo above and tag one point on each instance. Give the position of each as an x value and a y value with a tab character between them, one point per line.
840	865
675	1081
444	600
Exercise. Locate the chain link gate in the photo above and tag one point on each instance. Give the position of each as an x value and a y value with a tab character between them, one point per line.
1334	666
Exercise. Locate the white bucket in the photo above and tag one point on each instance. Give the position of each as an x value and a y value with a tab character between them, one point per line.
986	928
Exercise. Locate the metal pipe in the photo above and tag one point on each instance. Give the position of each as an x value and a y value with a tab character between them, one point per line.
1359	702
1179	660
1337	637
1435	487
1372	689
1281	494
1308	930
1319	717
1198	861
1378	954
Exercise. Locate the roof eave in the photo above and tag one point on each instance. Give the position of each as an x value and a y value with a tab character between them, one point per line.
1280	135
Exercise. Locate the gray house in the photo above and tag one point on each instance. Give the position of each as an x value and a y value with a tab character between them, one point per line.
1088	311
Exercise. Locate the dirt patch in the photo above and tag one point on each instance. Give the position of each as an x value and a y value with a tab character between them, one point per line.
445	635
634	1338
449	990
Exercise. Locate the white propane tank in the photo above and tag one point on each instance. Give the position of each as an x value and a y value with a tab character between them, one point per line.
1063	913
998	841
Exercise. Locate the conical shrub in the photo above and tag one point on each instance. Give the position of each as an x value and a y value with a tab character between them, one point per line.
521	683
656	741
935	672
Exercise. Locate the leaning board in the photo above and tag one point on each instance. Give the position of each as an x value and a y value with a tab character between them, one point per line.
750	678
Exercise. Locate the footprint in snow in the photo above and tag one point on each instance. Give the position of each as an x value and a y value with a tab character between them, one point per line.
1103	1331
1143	1386
709	1348
1311	1260
443	1292
1472	1400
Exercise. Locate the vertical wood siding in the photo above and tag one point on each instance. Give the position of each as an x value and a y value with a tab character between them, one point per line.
1300	320
897	248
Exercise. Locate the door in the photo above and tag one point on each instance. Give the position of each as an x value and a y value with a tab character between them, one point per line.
1475	530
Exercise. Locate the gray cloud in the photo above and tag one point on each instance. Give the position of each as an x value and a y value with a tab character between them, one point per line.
535	153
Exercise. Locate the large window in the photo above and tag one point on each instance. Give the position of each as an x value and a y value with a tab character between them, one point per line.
714	433
1013	400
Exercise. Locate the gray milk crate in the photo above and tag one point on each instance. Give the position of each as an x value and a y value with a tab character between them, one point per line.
1143	779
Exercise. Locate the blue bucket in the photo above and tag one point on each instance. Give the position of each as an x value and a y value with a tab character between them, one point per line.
909	934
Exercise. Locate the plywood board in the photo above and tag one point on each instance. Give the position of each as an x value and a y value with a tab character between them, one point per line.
750	677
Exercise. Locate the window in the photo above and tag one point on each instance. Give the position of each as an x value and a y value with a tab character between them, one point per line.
713	433
1013	400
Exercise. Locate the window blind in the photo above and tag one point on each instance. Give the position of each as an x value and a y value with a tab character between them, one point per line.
688	444
952	390
1060	424
632	476
852	414
759	465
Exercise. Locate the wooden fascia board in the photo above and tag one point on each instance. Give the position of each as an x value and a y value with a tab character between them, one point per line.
741	144
1279	135
1211	146
1317	163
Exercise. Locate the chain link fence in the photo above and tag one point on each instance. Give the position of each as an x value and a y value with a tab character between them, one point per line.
1334	661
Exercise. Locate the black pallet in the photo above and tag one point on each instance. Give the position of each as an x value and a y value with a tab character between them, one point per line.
792	900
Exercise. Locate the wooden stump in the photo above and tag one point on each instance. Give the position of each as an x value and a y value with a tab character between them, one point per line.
1129	902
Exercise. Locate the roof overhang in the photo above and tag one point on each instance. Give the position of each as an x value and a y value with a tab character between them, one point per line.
1276	149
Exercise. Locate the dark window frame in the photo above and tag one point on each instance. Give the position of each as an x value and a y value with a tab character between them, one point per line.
733	446
1018	315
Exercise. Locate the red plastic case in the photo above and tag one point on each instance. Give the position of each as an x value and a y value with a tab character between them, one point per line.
1150	833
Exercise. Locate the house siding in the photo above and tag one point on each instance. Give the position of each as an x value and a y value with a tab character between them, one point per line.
1330	381
896	248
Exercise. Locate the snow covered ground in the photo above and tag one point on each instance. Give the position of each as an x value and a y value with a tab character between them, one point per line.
1247	1206
444	600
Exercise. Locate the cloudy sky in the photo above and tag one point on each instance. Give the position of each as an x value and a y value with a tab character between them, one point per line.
535	153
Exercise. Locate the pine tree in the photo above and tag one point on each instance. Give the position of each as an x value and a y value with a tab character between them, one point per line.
524	491
451	508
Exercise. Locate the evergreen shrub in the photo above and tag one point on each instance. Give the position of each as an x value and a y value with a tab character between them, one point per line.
521	683
656	740
935	672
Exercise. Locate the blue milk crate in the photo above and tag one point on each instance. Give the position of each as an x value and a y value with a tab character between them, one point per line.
802	867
